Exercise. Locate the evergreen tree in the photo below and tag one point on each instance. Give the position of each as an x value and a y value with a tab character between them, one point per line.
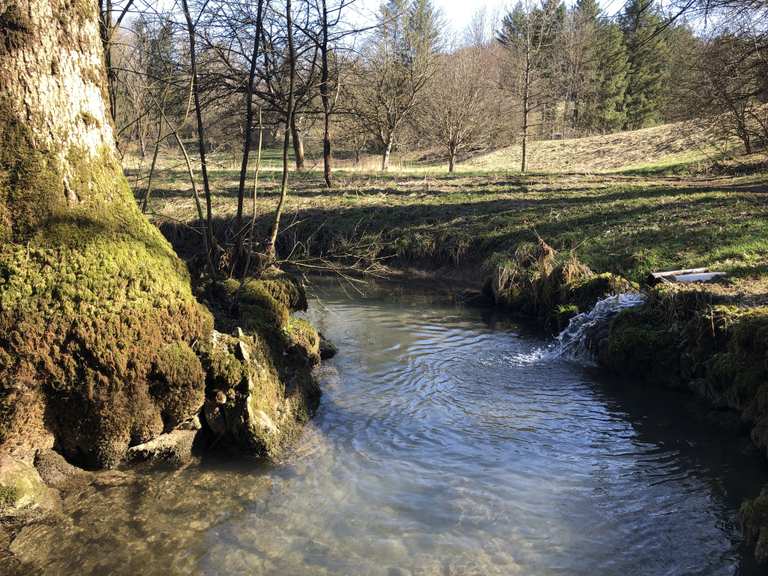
584	64
553	64
608	112
648	56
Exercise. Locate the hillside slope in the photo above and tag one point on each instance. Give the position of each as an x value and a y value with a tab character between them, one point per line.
660	146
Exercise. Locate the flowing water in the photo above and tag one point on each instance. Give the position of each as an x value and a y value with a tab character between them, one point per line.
445	444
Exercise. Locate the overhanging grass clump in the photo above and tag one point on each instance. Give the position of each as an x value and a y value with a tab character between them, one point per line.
538	282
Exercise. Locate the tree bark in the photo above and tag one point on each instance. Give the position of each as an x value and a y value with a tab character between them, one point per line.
248	126
326	99
271	243
201	140
386	156
526	109
97	317
298	144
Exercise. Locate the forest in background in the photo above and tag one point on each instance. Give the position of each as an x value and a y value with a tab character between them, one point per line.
541	71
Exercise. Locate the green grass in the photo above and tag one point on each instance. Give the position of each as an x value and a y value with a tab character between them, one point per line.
629	223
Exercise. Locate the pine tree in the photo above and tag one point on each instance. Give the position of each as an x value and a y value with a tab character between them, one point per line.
648	55
553	63
608	113
584	64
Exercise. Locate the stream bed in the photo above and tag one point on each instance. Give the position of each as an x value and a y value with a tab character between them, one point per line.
446	444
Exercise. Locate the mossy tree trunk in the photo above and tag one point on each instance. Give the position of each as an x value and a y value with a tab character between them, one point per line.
98	325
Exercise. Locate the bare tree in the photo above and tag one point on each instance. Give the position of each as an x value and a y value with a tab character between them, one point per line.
528	33
107	29
249	116
732	90
456	111
291	56
396	66
201	142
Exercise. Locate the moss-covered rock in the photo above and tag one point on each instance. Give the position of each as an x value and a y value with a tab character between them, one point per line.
22	491
257	400
754	524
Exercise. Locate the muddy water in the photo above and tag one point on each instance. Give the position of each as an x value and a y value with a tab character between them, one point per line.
444	445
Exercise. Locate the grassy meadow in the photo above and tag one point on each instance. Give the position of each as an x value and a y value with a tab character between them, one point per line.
628	203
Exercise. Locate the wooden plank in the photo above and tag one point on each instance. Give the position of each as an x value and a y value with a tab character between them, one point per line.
703	277
660	275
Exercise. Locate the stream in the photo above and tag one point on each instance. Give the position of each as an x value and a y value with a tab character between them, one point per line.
446	444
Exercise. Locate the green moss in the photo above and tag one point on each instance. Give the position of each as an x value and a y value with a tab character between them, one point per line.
286	289
259	310
30	188
640	343
302	335
225	372
9	495
95	310
177	383
564	313
587	290
754	524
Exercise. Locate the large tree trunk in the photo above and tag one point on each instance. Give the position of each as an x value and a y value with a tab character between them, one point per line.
298	143
97	319
386	156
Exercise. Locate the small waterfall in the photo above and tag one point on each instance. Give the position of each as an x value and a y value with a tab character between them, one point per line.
583	331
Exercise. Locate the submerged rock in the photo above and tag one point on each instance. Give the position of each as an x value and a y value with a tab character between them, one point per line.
175	448
54	470
22	491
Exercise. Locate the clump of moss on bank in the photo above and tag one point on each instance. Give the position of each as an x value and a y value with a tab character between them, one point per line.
692	337
538	282
260	387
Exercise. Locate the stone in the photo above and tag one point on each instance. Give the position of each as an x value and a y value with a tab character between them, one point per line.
54	470
243	353
22	490
193	423
327	348
174	448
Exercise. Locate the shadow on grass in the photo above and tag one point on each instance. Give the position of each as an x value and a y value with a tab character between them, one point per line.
626	231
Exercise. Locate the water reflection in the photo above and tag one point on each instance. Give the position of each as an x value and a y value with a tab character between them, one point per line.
443	446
